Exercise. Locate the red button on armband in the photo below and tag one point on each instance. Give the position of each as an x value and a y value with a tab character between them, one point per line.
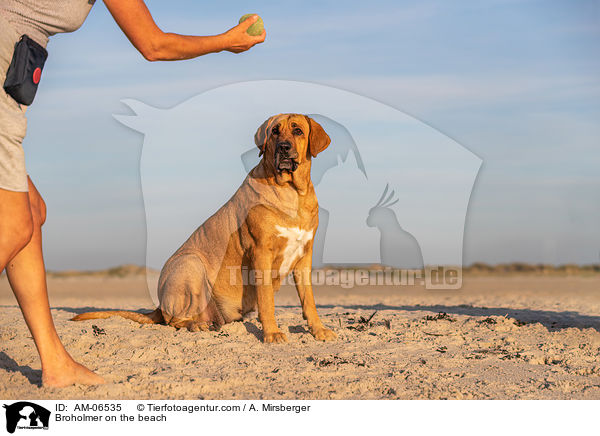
37	75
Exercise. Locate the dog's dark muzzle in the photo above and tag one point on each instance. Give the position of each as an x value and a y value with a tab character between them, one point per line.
285	157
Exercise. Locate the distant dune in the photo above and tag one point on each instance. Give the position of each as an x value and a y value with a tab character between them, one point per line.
542	269
117	271
478	269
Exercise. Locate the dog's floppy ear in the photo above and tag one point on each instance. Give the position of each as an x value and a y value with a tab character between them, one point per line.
318	140
260	137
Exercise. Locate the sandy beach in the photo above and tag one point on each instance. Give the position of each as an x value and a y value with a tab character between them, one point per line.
501	337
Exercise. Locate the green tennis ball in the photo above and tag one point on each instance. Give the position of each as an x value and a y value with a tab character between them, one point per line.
257	28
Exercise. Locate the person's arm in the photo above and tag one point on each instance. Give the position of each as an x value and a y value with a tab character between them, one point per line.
135	20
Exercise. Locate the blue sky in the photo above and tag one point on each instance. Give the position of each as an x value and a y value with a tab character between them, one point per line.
515	82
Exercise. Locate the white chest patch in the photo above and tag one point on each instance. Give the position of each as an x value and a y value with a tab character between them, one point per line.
296	241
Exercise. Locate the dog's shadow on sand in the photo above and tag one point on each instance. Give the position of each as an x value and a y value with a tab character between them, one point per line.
549	319
80	310
253	330
33	375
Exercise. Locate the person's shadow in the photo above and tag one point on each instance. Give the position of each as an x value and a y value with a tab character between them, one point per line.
33	375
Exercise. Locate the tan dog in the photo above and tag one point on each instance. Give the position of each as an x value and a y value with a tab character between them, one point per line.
237	259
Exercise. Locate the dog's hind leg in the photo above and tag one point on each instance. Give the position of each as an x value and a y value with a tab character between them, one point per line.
209	319
185	294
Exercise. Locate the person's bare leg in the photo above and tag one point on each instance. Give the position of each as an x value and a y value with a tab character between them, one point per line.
16	225
27	277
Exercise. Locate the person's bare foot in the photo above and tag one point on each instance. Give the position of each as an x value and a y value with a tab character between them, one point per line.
69	373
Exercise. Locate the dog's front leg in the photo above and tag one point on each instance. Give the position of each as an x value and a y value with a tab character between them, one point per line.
265	297
302	278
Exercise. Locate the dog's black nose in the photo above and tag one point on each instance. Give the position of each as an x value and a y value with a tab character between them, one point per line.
284	146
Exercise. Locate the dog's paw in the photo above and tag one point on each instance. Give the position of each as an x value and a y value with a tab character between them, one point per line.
324	334
197	326
275	338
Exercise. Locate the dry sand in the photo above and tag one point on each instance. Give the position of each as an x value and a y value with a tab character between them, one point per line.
513	337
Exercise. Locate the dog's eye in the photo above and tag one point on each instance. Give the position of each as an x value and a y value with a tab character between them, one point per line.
275	130
297	131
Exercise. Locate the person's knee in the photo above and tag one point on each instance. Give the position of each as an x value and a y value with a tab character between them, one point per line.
18	234
25	233
38	209
16	224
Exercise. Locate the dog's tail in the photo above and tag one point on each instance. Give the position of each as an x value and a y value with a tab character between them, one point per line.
154	317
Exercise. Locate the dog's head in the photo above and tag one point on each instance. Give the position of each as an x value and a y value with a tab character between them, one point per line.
288	142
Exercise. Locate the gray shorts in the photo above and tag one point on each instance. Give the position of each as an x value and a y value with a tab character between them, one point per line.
13	123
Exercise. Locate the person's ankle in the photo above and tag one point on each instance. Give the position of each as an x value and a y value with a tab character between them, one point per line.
57	361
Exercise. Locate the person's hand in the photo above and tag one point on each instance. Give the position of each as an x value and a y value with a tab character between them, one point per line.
237	40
